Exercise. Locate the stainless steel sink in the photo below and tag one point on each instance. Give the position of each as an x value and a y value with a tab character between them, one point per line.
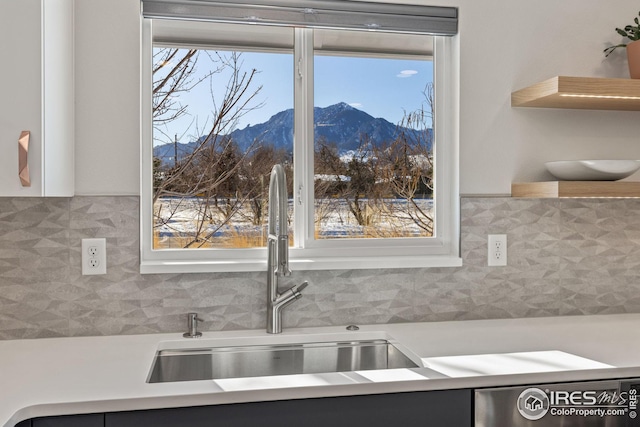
282	359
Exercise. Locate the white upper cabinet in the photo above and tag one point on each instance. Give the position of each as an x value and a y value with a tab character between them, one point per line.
36	81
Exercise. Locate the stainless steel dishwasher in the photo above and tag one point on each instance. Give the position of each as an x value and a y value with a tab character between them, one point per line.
610	403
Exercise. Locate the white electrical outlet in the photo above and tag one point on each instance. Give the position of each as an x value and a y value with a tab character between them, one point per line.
497	250
94	256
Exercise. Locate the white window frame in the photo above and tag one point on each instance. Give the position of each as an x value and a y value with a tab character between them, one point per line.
442	250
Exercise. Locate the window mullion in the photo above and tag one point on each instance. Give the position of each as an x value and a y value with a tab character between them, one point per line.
446	134
303	137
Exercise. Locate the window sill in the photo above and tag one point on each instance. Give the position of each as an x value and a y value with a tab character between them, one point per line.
320	263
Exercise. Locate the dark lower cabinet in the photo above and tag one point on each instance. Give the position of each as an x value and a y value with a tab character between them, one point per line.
84	420
451	408
448	408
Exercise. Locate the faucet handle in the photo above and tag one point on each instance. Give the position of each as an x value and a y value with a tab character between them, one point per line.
297	289
192	325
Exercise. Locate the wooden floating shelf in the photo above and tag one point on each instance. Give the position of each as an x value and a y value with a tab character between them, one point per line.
587	93
596	189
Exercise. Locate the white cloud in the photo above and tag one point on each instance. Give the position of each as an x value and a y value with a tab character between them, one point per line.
406	73
355	104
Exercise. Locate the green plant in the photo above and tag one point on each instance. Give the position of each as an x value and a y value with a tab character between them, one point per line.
632	32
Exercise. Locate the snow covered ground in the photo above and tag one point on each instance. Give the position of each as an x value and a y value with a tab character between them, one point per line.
179	220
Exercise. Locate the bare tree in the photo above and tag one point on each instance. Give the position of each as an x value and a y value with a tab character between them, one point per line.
205	179
360	193
353	181
330	181
254	177
409	165
382	182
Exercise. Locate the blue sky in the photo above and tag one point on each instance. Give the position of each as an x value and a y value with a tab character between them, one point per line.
381	87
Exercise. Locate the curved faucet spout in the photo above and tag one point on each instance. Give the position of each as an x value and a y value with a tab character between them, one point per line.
278	227
278	251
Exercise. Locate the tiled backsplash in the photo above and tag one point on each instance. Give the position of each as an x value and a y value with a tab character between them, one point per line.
566	257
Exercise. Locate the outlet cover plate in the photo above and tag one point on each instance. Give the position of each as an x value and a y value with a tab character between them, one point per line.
94	256
497	250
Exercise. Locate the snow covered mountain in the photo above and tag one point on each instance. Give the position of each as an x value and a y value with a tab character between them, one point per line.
340	124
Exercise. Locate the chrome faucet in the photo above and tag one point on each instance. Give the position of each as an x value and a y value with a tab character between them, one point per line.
278	252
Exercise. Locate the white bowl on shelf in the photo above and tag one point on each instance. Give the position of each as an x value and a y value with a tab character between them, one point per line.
592	170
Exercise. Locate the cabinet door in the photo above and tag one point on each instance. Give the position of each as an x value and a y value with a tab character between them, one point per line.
21	88
36	82
424	409
85	420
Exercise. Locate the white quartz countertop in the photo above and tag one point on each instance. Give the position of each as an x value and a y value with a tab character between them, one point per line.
58	376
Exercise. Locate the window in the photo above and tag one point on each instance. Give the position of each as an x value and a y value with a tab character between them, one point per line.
365	123
221	120
373	154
